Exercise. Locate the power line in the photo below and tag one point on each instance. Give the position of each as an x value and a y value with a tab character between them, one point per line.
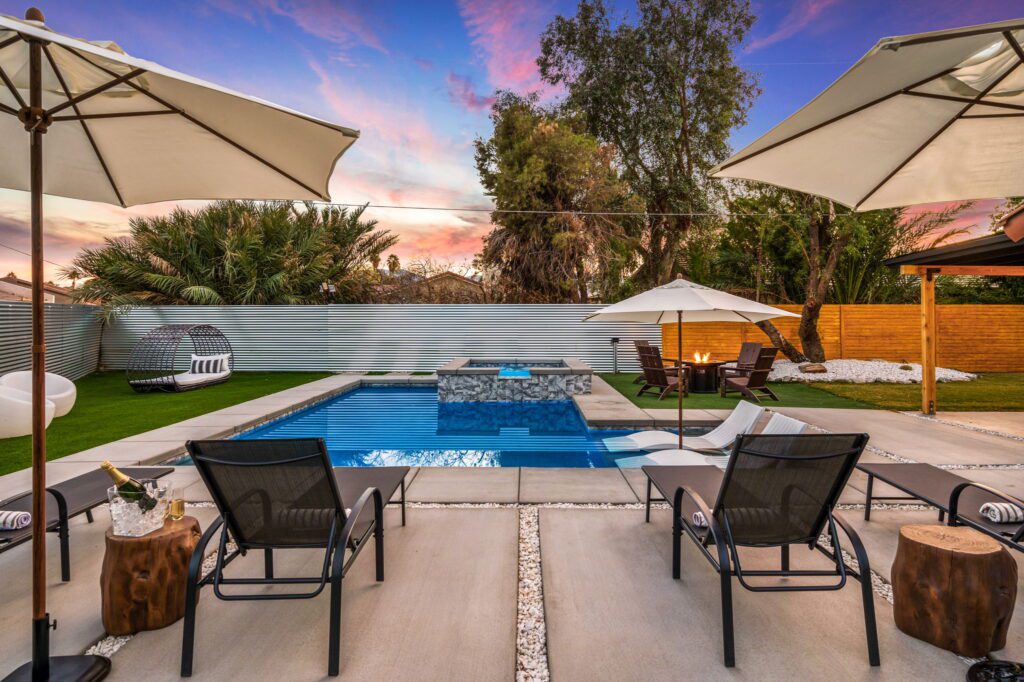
26	253
473	209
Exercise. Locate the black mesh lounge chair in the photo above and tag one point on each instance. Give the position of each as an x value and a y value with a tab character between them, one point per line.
751	382
658	377
70	498
283	494
777	491
957	498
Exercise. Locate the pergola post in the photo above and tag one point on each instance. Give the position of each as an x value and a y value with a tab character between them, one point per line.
928	341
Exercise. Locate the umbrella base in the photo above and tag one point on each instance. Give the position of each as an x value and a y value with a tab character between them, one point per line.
77	668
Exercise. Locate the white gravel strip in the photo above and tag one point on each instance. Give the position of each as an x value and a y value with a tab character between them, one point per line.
531	626
864	372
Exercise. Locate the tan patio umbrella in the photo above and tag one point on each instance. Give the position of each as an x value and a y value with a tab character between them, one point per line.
126	131
920	118
684	301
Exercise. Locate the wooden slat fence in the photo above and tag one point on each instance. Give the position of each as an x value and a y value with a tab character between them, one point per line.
973	338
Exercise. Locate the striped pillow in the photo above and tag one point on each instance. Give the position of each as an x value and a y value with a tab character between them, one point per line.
210	364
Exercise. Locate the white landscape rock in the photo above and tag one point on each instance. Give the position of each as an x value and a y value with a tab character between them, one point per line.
864	372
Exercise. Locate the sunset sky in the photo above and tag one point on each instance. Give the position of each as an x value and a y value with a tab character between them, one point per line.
416	79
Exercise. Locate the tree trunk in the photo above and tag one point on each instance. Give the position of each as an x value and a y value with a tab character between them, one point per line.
810	339
780	341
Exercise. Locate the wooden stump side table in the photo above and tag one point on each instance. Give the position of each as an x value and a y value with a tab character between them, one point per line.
953	587
143	579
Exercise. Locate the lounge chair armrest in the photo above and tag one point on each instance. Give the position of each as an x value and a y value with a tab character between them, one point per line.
357	510
702	506
863	564
195	564
954	502
726	372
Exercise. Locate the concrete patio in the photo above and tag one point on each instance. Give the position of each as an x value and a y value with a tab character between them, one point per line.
610	610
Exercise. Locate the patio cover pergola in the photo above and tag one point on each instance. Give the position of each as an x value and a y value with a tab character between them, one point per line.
996	254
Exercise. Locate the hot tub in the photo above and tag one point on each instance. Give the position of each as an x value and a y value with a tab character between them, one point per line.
512	379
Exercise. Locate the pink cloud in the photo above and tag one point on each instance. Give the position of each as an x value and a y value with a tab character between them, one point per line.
461	92
335	21
506	35
424	64
802	14
386	120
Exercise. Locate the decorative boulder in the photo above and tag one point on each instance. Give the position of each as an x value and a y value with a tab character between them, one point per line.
813	368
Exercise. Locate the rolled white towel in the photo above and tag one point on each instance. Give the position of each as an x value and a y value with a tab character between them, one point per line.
12	520
1002	512
698	520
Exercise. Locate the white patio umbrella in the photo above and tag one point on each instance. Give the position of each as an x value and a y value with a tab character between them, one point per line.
920	118
125	131
684	301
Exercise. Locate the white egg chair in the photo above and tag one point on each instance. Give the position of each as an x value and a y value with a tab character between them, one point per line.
59	390
16	412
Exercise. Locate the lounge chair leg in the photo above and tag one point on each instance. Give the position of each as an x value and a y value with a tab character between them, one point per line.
268	563
677	533
866	591
647	516
334	646
942	515
867	498
378	549
189	631
65	551
403	501
728	642
88	515
785	557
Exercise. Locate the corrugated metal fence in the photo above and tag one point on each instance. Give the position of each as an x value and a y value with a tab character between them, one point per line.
72	338
388	337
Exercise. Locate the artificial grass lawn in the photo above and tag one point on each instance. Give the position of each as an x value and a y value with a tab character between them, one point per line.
107	409
990	392
790	395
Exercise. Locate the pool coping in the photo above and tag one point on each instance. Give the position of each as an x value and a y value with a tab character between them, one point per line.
604	408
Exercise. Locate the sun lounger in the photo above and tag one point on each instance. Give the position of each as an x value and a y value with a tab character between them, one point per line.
779	425
68	499
752	504
956	497
279	494
742	420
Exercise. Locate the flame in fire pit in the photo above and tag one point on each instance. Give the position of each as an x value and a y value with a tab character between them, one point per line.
701	358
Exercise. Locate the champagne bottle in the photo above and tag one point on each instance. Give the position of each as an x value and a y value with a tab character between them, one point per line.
128	488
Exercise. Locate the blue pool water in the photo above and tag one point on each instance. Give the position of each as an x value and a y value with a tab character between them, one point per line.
514	372
380	426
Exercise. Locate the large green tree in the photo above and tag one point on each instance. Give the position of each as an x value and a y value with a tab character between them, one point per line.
666	92
235	252
554	187
783	246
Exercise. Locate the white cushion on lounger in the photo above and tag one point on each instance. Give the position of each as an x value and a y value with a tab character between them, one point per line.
781	425
742	420
675	457
189	379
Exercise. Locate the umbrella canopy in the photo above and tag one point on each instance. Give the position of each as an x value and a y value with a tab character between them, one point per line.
126	131
694	302
684	301
920	118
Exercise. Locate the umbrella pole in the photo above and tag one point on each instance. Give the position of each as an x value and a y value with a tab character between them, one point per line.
40	618
679	355
42	666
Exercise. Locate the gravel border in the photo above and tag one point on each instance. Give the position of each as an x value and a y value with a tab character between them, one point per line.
531	624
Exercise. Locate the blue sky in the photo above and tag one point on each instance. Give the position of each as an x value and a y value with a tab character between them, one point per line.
416	78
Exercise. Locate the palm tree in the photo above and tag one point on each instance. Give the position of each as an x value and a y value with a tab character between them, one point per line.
393	265
234	253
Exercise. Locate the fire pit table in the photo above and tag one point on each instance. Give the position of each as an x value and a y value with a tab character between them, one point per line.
704	375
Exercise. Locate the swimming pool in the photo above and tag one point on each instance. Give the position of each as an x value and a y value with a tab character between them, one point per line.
383	426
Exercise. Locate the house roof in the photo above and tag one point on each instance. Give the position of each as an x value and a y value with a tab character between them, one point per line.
51	288
994	249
